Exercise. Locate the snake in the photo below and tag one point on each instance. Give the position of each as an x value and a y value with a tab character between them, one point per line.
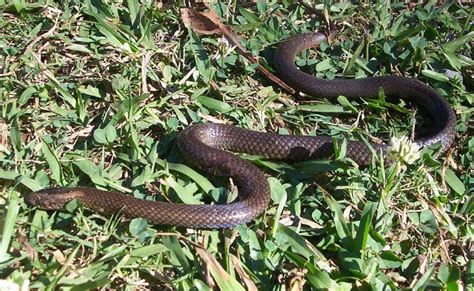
212	147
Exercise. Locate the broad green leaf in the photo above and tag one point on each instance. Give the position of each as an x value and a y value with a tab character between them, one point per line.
324	108
8	175
278	196
106	135
360	240
15	136
184	195
201	58
9	225
453	60
346	104
147	251
214	104
453	45
453	181
355	56
425	279
26	95
91	170
249	16
134	9
324	65
298	243
90	90
53	162
202	181
342	227
449	274
435	75
390	260
176	252
79	48
137	225
470	274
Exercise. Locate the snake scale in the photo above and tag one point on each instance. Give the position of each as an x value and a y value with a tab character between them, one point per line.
208	147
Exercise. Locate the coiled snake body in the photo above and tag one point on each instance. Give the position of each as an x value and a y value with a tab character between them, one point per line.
206	146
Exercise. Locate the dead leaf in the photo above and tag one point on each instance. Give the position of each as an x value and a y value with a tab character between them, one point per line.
213	264
30	250
208	23
311	224
3	134
243	275
211	261
59	256
85	132
297	280
198	22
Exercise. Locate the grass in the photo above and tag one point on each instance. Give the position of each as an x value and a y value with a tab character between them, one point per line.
93	93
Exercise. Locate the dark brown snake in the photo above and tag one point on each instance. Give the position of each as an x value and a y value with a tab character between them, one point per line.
206	146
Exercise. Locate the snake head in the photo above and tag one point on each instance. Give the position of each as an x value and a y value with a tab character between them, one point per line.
52	199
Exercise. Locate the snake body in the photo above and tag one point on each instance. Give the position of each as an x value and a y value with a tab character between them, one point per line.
208	147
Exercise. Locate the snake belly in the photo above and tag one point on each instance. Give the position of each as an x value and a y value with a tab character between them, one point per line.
208	147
